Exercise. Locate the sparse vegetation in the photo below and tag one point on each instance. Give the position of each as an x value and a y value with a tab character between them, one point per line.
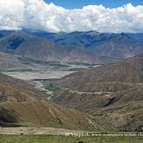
52	86
66	139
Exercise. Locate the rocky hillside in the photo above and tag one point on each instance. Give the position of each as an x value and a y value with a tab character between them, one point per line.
130	71
22	105
113	93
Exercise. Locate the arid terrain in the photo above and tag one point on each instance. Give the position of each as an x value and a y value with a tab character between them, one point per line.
97	94
71	71
112	92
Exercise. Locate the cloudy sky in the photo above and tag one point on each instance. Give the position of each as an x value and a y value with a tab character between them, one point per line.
78	15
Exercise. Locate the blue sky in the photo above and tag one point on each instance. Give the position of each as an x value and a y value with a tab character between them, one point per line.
70	4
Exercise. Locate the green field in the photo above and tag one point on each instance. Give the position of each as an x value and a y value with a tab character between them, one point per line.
64	139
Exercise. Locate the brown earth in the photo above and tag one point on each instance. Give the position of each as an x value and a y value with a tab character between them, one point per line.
114	93
22	105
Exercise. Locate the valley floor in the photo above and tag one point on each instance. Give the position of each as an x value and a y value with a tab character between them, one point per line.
31	75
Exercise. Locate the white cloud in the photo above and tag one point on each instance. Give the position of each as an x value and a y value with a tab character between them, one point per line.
38	15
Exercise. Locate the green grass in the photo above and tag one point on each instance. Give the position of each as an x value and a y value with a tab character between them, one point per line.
63	139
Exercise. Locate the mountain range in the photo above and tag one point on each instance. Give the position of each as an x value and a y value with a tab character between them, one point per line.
76	47
113	45
40	49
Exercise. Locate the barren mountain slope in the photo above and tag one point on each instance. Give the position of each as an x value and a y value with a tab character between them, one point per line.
21	105
114	93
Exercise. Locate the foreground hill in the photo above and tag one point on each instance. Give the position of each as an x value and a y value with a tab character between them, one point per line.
113	92
22	105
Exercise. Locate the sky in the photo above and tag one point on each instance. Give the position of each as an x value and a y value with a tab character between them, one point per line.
71	4
114	16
